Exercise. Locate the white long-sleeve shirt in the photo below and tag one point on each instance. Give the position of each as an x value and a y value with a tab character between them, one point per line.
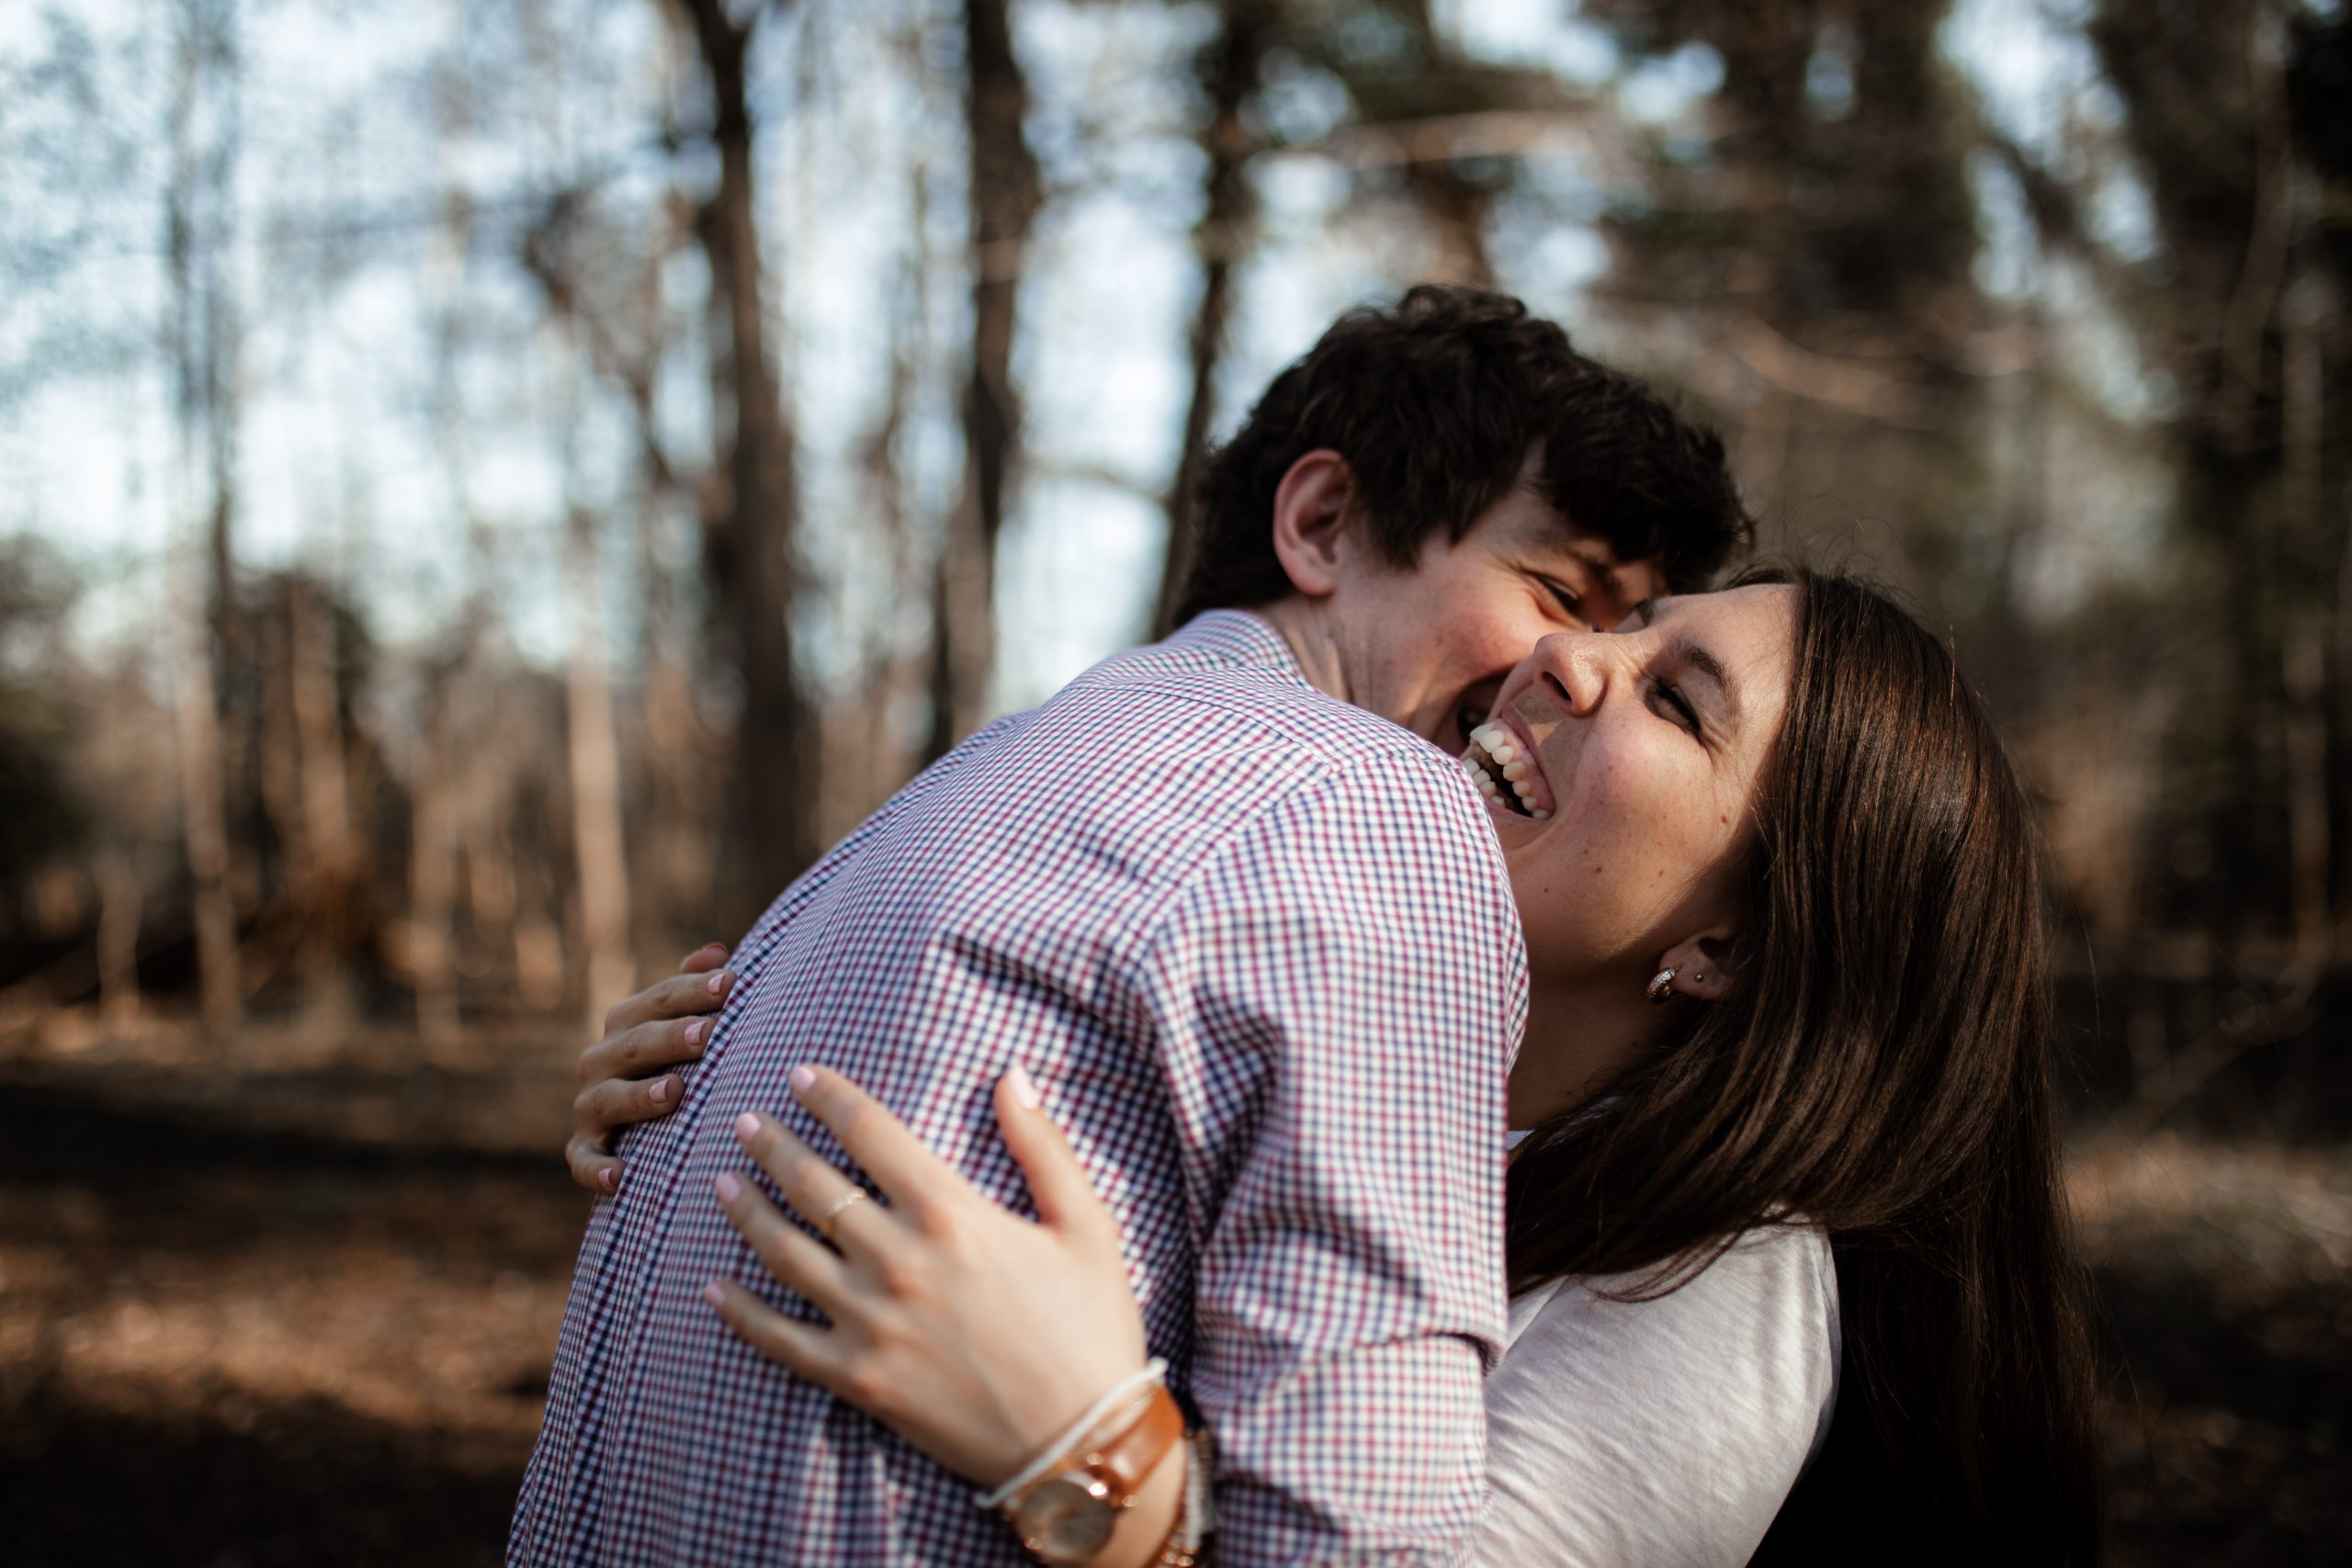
1666	1432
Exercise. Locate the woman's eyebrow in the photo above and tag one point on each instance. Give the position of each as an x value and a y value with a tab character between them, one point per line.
1684	651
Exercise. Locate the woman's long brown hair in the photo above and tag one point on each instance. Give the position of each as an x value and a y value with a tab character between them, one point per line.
1881	1069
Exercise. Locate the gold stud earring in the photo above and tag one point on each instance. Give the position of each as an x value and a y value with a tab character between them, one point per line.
1662	985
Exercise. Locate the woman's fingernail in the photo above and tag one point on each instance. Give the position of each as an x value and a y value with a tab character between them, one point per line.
747	1125
729	1188
714	1295
714	947
803	1079
696	1030
718	981
1023	1089
660	1093
608	1178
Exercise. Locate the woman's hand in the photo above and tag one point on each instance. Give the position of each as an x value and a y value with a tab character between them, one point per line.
970	1332
659	1027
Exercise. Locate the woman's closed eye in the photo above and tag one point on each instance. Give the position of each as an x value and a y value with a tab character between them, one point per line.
1668	703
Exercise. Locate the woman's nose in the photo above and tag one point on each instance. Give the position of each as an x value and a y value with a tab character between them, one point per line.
1574	665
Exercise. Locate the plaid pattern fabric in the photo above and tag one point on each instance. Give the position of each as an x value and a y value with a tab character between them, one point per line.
1258	949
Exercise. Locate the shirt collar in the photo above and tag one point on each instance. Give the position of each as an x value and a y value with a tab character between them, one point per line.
1237	637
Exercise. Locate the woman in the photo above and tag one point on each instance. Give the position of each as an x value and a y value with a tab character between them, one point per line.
1847	1070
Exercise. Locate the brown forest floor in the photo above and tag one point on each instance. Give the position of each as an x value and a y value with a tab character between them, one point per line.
296	1306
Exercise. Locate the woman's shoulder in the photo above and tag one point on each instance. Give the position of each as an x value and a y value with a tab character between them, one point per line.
1778	1279
1624	1429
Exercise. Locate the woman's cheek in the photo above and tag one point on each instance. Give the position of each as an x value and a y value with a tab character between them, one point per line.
1651	847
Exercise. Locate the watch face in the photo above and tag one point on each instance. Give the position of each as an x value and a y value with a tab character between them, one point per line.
1068	1518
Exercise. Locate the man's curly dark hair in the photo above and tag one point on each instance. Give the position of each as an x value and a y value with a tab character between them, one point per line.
1435	403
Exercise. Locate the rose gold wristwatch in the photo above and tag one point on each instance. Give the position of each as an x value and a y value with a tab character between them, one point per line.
1065	1516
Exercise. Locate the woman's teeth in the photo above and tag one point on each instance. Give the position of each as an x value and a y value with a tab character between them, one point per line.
1502	753
1480	777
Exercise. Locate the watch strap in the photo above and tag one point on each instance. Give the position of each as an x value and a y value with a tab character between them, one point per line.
1112	1460
1128	1459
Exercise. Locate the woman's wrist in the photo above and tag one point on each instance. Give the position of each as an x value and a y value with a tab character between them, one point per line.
1185	1541
1067	1504
1144	1528
1128	1391
1125	1484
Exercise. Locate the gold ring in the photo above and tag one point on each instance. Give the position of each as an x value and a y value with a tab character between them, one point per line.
825	1224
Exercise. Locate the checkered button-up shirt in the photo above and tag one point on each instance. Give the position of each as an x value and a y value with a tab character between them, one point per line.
1258	949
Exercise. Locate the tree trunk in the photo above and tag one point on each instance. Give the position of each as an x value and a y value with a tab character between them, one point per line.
1004	199
2304	652
595	760
327	883
432	874
201	336
1230	69
203	820
2203	99
1456	208
749	540
122	897
890	677
431	903
2340	617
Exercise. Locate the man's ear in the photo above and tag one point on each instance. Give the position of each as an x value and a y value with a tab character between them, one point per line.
1313	508
1701	965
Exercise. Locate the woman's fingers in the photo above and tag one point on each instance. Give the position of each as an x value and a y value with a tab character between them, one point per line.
805	1351
679	995
633	1052
659	1027
623	1102
784	1248
1057	1183
592	1165
839	1208
918	1182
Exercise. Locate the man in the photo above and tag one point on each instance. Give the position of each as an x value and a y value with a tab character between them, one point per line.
1250	931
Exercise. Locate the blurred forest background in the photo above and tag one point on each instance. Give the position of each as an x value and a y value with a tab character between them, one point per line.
488	491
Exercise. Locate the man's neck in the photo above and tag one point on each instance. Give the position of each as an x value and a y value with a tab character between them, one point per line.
1314	642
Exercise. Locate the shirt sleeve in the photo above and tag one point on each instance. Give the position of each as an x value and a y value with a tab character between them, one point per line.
1666	1432
1336	999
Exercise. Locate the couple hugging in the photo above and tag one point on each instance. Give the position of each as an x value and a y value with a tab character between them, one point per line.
1476	1048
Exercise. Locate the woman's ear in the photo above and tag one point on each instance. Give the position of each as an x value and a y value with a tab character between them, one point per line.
1701	965
1311	514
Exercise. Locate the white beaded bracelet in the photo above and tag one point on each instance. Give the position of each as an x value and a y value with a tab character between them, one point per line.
1200	1501
1153	1371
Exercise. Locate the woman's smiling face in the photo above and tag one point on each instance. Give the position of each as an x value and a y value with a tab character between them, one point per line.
1641	748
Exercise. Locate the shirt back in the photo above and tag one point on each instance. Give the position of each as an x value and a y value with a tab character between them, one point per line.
1257	949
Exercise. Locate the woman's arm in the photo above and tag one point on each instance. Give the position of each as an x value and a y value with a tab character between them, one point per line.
974	1334
661	1026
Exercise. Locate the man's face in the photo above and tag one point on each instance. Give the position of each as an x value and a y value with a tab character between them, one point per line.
1434	645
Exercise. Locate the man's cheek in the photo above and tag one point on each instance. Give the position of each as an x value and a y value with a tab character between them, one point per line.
1508	637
